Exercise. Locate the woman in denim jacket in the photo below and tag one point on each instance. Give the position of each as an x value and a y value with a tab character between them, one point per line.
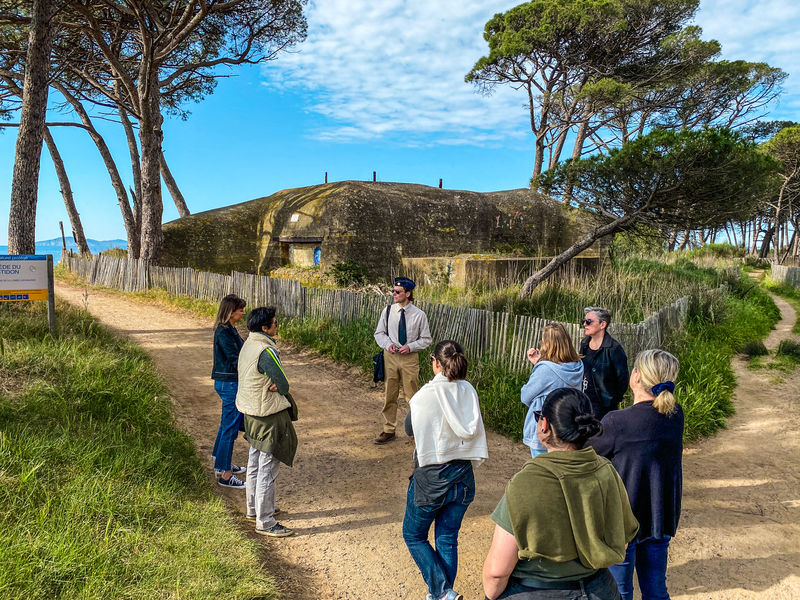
227	343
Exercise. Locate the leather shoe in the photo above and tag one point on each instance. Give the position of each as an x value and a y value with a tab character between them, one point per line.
384	437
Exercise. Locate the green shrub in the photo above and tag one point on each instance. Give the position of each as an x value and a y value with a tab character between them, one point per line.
717	251
790	348
754	348
706	381
348	272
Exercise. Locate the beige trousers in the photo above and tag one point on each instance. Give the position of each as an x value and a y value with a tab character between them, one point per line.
401	369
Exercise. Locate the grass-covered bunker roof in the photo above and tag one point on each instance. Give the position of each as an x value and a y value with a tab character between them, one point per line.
373	223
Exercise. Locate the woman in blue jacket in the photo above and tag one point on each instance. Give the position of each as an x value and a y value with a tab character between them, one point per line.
555	365
645	444
227	343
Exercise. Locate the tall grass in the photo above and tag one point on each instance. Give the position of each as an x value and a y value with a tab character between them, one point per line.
101	496
633	290
719	326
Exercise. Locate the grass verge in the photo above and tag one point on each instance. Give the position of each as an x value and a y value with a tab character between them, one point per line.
789	293
101	497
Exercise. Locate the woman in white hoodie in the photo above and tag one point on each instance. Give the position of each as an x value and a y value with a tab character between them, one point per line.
556	365
446	423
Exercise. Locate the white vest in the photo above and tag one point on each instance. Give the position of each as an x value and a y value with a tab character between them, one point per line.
253	396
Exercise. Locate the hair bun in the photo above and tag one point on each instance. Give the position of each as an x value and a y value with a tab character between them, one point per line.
588	425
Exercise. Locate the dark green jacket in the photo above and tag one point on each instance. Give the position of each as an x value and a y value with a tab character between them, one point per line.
273	434
571	504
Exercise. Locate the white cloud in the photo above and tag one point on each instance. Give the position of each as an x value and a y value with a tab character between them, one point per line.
395	69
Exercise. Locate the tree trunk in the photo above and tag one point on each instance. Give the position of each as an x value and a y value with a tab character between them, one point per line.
684	241
150	137
133	150
789	247
25	183
542	274
766	243
128	219
673	238
173	188
66	193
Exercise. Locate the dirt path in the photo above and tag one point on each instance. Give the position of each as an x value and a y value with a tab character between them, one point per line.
739	534
345	496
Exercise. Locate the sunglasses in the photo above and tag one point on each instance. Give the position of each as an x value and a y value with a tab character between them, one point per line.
537	414
395	292
587	321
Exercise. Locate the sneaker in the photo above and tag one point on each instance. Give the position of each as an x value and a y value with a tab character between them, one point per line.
253	517
384	437
235	469
452	595
233	482
276	530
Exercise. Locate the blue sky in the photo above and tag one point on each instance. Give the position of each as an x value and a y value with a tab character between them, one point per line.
378	86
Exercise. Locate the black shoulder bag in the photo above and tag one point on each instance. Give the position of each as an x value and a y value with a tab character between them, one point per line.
378	372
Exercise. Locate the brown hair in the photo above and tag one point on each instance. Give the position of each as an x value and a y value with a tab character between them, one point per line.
227	306
450	355
556	345
654	367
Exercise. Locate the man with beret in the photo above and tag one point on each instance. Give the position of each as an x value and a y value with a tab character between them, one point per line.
402	332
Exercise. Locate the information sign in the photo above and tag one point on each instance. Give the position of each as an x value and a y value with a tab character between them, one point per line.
23	277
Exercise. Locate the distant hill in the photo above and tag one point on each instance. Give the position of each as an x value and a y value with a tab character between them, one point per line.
54	246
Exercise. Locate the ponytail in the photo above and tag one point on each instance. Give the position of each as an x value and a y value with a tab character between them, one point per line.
450	355
658	370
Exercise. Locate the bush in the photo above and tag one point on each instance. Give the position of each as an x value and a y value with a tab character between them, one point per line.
789	348
348	272
717	251
754	348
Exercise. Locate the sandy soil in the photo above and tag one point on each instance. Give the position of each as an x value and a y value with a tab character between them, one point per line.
345	496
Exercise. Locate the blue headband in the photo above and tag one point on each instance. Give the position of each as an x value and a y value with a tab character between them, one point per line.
665	386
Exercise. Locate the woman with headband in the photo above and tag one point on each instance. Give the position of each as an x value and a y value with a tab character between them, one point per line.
645	443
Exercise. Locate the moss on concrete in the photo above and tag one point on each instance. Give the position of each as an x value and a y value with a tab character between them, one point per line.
376	224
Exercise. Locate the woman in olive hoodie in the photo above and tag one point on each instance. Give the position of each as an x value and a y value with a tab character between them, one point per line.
565	517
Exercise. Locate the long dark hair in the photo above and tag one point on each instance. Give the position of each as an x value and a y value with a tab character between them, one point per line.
569	412
227	306
450	356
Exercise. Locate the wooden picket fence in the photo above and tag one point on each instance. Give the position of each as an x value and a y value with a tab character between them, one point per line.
790	275
497	336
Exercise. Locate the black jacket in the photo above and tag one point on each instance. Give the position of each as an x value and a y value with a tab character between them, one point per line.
645	447
606	377
227	343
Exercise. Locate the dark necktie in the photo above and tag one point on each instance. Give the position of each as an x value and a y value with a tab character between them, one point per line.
402	336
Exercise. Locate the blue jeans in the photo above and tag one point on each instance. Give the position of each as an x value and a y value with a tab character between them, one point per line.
228	425
649	558
439	566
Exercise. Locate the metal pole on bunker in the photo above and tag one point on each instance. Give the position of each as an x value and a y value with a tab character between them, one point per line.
51	296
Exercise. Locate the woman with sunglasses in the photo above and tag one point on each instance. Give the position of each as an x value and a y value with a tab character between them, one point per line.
446	423
645	444
555	365
604	361
565	517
